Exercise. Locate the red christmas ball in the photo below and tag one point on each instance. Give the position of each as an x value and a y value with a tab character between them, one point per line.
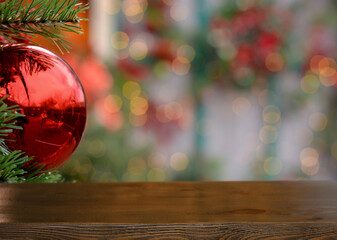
51	97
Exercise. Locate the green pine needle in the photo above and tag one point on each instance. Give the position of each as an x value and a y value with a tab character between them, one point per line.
20	19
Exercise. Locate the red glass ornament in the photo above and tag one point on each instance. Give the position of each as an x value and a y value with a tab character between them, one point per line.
50	95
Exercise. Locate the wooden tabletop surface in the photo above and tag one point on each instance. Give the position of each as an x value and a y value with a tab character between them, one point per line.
194	208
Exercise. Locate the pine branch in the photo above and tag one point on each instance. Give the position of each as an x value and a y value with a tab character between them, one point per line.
21	20
15	167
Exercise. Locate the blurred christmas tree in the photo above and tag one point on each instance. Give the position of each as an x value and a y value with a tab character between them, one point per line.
171	61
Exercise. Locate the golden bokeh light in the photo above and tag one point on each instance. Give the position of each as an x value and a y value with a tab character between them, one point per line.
268	134
131	90
139	106
156	175
272	166
135	19
178	12
112	7
134	10
312	170
138	50
179	161
309	161
136	165
271	114
119	40
241	106
309	152
96	148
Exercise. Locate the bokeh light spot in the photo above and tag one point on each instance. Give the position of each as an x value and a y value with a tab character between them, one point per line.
96	148
179	12
119	40
241	106
134	10
112	7
179	161
309	152
328	81
268	134
173	111
271	114
136	165
131	90
327	67
272	166
156	175
309	161
314	63
138	50
139	106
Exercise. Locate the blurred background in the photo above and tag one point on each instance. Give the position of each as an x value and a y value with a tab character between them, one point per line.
207	90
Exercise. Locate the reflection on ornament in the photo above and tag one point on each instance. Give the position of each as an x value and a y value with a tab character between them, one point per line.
50	95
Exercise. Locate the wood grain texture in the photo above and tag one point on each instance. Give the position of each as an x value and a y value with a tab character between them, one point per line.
247	231
170	210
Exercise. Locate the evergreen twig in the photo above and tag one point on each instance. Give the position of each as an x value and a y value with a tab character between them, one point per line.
21	20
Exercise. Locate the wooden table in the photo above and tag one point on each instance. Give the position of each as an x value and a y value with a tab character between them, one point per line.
169	210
